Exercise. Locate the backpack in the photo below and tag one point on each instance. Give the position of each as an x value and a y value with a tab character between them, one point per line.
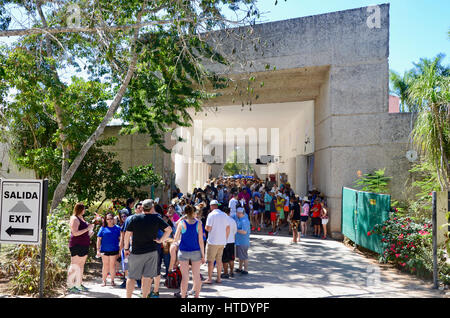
173	280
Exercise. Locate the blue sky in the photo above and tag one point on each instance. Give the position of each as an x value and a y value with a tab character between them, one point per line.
418	28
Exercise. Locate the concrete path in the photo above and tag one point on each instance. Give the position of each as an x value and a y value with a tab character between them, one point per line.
313	268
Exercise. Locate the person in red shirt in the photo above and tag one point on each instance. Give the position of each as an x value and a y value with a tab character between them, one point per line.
316	220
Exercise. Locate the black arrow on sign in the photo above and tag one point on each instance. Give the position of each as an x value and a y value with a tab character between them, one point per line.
11	231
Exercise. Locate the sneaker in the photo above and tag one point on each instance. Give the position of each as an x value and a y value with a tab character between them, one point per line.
224	276
244	272
73	290
177	295
231	274
324	237
83	288
119	274
153	295
259	229
123	285
237	270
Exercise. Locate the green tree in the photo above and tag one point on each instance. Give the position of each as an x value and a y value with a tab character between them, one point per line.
425	89
234	165
375	182
147	56
430	91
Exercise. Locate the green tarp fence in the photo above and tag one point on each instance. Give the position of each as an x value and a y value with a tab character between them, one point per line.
361	211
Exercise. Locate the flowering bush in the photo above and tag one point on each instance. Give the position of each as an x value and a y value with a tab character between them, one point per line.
409	246
403	242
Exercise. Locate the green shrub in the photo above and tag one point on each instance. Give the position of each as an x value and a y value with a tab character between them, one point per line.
375	182
408	245
22	262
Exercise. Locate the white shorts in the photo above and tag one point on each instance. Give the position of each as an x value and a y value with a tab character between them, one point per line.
324	221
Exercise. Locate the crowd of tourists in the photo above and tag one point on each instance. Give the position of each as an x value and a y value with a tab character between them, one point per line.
211	225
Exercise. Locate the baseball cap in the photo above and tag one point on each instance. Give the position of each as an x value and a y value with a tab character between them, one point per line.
214	202
147	204
240	210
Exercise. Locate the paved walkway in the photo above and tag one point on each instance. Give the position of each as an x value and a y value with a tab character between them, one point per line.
313	268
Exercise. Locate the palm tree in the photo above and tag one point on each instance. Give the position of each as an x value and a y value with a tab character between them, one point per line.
399	86
430	91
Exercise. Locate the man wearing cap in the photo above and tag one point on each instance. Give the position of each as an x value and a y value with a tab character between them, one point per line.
218	229
143	258
137	210
242	241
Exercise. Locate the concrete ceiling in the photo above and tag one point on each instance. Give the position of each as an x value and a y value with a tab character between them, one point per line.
274	86
260	116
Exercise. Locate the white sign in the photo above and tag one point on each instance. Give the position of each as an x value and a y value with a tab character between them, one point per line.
20	211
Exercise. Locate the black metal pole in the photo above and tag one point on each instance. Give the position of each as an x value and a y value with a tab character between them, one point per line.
44	236
434	224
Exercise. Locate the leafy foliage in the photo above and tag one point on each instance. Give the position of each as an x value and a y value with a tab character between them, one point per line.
375	182
426	89
407	244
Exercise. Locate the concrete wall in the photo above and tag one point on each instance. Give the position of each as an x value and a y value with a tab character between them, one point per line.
133	150
9	170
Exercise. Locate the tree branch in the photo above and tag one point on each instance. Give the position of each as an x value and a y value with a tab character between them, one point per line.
65	179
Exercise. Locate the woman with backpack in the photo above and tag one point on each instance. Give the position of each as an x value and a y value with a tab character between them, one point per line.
191	249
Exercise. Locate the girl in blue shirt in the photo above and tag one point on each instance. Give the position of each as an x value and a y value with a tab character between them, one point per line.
108	238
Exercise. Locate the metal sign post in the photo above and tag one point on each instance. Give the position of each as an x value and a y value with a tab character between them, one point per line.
23	213
435	229
44	237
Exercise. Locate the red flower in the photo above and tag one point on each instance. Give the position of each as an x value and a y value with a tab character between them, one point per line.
368	233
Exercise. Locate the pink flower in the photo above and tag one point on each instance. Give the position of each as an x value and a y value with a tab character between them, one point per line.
403	264
368	233
397	255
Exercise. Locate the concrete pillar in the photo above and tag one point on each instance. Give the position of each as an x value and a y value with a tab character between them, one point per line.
190	176
197	174
181	173
291	168
300	175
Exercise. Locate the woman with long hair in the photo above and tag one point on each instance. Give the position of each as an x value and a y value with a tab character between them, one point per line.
108	239
80	233
191	249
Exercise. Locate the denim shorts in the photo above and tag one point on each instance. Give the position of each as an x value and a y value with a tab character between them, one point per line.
193	256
